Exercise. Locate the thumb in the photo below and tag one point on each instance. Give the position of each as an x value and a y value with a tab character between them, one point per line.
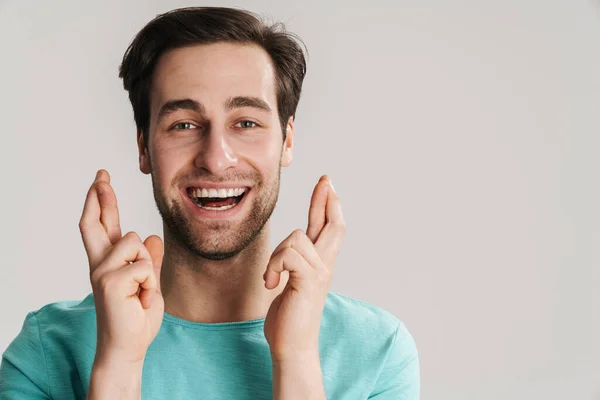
154	244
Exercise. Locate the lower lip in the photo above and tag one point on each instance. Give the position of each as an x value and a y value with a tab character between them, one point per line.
215	214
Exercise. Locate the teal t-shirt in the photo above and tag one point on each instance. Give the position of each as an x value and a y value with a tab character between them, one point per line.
365	352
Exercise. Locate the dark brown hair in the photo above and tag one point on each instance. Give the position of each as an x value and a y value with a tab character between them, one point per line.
205	25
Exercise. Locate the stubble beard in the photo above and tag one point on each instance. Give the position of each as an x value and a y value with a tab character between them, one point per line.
219	240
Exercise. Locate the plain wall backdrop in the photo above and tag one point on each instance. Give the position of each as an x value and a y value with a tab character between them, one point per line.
461	136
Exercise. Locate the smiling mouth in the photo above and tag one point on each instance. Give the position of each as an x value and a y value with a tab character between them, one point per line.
216	200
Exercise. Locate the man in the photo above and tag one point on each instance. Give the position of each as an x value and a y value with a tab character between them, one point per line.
214	93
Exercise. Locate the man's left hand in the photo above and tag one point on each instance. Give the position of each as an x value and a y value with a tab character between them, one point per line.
293	321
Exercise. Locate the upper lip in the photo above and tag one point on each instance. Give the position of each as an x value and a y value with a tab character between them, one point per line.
209	185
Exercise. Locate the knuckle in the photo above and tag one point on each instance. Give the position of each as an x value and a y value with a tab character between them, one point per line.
95	277
288	253
298	234
83	225
132	237
106	283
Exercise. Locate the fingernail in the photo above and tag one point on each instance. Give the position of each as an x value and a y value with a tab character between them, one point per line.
97	175
99	189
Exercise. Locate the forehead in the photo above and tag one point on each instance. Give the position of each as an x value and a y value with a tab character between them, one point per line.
211	73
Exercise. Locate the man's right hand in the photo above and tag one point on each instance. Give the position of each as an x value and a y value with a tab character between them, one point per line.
125	278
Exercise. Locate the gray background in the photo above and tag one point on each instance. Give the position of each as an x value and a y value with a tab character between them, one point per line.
461	136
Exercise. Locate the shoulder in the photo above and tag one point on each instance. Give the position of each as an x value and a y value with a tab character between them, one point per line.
379	339
56	324
351	312
367	323
66	314
48	338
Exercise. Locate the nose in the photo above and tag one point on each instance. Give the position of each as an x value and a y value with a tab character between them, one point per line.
216	154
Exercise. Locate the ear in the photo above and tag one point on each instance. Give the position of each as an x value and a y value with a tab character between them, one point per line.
144	156
288	144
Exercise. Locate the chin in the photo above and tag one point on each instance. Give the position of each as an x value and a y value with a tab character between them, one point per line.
217	255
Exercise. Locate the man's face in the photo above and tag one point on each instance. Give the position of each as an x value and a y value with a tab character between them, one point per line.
211	131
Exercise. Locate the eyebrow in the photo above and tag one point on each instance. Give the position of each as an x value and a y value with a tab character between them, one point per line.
232	103
245	101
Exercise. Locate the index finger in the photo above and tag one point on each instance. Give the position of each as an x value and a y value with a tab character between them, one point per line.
316	212
154	244
94	235
330	240
109	211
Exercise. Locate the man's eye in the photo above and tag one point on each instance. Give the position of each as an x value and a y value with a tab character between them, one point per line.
245	124
184	126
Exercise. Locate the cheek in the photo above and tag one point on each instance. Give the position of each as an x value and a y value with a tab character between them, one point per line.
267	147
264	159
166	163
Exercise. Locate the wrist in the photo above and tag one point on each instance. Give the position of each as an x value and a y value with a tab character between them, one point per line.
298	378
114	360
298	364
303	357
114	377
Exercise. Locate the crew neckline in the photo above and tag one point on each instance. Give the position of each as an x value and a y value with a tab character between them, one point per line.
214	325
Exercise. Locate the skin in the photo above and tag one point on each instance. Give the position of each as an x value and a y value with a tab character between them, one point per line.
211	270
215	148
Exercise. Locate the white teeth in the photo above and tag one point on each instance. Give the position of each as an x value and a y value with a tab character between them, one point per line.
219	208
221	193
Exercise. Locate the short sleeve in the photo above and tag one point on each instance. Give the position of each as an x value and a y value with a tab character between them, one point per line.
23	372
399	378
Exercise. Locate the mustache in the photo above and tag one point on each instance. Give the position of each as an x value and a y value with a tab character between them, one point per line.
229	177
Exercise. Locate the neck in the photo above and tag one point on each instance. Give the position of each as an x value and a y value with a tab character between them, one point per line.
230	290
